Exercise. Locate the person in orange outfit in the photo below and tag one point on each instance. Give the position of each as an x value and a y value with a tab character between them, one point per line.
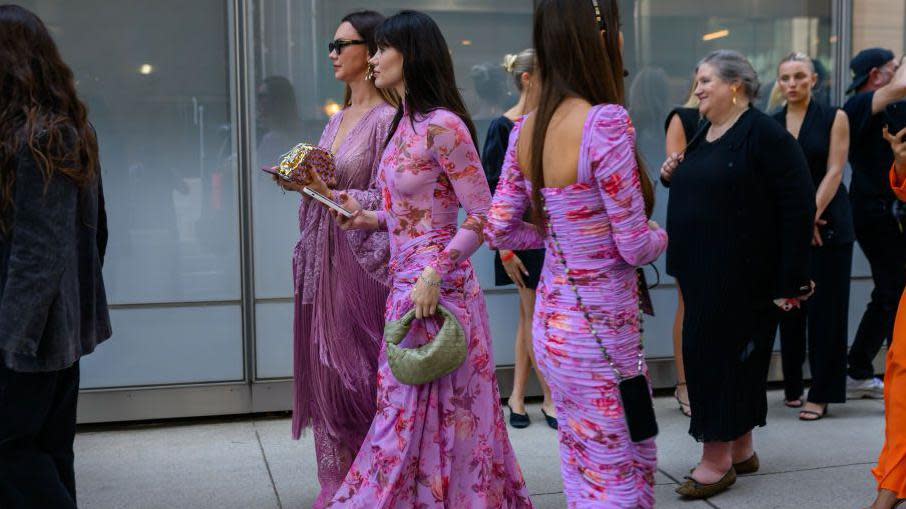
891	469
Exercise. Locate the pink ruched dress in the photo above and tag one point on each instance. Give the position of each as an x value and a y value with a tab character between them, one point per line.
441	444
604	235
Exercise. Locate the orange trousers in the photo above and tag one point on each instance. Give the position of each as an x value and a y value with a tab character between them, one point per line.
891	469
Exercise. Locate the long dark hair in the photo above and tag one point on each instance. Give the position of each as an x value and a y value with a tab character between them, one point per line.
39	108
427	68
366	24
576	60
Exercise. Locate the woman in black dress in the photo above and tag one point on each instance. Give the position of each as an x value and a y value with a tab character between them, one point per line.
740	219
682	124
522	268
823	134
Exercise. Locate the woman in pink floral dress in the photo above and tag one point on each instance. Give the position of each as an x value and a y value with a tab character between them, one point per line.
441	444
589	186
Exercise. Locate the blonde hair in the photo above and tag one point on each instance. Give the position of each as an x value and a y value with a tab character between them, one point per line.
692	99
520	63
776	99
798	56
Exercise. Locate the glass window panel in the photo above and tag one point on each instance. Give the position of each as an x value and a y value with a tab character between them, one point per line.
879	23
174	345
158	90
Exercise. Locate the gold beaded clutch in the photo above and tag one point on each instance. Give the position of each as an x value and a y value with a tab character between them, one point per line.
320	160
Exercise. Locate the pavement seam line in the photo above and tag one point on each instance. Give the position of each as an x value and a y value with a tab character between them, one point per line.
267	466
675	480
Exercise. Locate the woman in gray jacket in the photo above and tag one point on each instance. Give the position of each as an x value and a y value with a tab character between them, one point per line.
53	233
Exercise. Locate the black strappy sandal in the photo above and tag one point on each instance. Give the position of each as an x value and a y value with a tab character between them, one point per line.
815	416
684	406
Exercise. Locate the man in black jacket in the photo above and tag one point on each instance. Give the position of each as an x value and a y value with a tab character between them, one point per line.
878	80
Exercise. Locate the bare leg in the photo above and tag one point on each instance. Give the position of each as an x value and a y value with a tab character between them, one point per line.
717	459
527	297
682	392
886	500
524	358
743	448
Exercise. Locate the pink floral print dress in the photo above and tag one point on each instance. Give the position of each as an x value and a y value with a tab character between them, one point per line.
442	444
604	234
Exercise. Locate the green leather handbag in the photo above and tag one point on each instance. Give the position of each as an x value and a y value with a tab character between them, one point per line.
427	363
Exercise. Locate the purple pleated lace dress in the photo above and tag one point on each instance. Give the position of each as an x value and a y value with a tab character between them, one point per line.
341	292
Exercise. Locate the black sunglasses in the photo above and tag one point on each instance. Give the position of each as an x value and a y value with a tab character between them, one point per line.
339	44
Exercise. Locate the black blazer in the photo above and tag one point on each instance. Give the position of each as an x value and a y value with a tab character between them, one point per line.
814	140
53	307
741	212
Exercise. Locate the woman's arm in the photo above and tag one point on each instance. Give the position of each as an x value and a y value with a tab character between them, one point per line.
42	234
790	186
505	228
454	151
836	161
617	174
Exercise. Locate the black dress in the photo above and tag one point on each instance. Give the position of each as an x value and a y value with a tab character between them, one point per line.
739	217
824	315
495	147
691	119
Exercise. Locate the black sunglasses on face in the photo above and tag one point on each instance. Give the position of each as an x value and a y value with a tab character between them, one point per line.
339	44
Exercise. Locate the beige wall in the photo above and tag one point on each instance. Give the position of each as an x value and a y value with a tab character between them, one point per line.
879	23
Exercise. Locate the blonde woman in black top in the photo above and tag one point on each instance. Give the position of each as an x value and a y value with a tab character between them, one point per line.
823	135
522	268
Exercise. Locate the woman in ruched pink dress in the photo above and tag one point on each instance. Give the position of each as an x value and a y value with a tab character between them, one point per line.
442	444
598	214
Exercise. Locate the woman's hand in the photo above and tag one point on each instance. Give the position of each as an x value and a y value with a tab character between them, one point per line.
287	185
514	267
315	183
816	234
361	219
670	165
426	293
898	145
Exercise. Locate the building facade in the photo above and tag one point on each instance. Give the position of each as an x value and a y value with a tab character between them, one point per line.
190	98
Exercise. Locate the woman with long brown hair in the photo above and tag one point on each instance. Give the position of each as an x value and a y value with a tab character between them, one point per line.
53	308
576	167
341	277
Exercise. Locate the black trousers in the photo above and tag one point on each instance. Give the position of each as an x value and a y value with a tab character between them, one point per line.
882	240
824	318
37	429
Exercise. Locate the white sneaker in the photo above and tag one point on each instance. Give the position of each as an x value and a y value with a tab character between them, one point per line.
864	389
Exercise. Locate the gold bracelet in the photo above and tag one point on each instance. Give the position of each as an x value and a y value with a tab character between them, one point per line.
435	284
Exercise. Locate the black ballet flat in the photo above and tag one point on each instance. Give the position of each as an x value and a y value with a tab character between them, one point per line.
551	421
518	421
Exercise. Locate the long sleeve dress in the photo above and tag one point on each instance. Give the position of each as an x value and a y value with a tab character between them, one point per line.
891	470
740	220
441	444
604	234
492	157
341	287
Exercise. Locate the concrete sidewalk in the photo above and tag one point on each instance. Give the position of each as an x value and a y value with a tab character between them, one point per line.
253	463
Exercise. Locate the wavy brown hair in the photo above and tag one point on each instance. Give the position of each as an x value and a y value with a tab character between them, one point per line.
39	108
576	59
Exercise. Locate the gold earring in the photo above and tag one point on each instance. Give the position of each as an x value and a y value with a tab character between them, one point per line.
734	97
369	75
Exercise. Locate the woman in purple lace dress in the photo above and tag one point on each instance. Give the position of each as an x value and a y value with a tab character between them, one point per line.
441	444
341	277
590	210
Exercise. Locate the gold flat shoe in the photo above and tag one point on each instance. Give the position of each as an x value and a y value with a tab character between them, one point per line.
693	489
749	466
